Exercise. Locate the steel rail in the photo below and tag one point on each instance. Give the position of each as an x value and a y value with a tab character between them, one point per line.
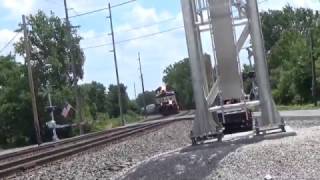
61	142
29	158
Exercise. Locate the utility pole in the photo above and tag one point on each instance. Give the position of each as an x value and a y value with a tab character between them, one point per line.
135	92
313	64
142	84
31	84
73	67
116	66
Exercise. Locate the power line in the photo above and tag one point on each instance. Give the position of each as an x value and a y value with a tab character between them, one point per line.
59	4
148	25
124	3
75	12
89	12
135	38
117	5
136	28
149	35
101	9
97	46
9	42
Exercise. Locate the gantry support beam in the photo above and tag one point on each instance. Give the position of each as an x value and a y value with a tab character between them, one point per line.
225	48
269	115
204	125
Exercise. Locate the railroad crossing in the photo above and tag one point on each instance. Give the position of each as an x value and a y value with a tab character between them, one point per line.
219	104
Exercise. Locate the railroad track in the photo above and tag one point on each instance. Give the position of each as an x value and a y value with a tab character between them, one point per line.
182	113
28	158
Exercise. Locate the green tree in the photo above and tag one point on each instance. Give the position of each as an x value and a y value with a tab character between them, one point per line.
133	107
15	104
95	97
51	59
178	77
276	22
287	40
149	97
112	100
50	54
290	69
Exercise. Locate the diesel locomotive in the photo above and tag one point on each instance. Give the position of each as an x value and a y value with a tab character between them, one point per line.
166	101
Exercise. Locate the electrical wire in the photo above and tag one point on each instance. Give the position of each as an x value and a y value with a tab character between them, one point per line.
135	28
59	4
101	9
147	25
138	27
9	42
135	38
75	12
150	35
124	3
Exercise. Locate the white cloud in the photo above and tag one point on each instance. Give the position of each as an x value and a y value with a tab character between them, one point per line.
18	7
88	34
146	15
300	2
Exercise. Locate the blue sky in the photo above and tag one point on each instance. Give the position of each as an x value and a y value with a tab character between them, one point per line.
157	52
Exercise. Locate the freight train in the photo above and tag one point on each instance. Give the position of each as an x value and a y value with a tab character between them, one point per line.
166	101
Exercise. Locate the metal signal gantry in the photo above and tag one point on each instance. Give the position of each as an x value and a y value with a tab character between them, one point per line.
230	24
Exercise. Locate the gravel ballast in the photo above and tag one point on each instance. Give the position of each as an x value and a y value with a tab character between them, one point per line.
293	157
296	157
280	156
111	160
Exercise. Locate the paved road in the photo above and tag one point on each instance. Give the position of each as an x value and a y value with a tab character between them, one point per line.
297	114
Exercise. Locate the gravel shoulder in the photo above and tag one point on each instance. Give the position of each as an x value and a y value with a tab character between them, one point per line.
293	157
296	157
109	161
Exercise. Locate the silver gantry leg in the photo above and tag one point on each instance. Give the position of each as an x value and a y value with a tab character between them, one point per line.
204	126
270	117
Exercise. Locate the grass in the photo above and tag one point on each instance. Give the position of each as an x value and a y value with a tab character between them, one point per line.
104	122
297	107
